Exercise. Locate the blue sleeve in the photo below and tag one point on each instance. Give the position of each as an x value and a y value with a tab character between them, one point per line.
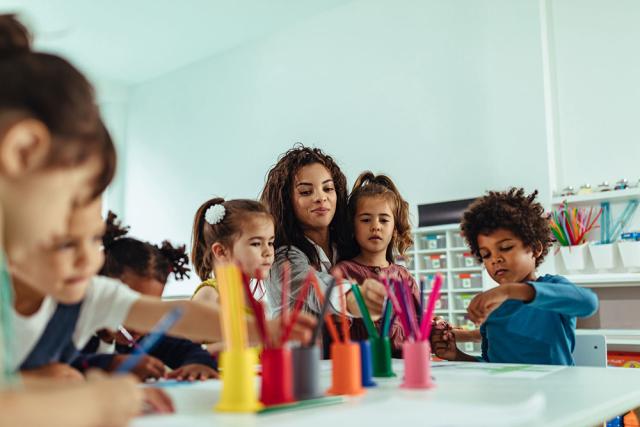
176	352
556	293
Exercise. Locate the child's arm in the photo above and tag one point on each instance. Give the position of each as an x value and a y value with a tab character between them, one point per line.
53	371
200	322
116	399
562	297
443	345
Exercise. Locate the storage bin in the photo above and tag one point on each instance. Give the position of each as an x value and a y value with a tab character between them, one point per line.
467	281
630	254
603	256
462	301
434	241
435	262
429	281
574	257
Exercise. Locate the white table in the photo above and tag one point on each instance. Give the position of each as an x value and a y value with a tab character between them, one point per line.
565	397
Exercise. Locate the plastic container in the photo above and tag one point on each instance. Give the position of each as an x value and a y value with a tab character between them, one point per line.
306	373
435	262
442	303
381	357
366	364
630	254
462	301
434	241
238	382
603	256
466	260
417	365
574	257
467	281
346	372
457	241
277	376
429	282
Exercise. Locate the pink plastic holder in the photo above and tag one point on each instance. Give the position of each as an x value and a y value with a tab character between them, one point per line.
417	365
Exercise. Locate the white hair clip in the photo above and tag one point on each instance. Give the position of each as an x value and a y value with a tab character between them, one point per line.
215	214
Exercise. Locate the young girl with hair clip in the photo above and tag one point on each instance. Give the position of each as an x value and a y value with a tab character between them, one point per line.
54	154
306	192
381	229
145	268
233	231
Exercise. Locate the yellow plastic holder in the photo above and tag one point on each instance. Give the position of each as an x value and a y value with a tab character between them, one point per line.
239	393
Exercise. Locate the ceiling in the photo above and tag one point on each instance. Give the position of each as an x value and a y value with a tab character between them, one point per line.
131	41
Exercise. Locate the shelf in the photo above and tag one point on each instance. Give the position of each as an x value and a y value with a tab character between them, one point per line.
587	199
615	336
442	311
436	229
459	311
430	251
442	271
605	280
466	269
462	291
460	249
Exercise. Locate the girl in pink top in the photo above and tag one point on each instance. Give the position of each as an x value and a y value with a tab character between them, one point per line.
380	224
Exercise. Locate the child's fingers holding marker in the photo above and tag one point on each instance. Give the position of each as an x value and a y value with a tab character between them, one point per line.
120	396
303	328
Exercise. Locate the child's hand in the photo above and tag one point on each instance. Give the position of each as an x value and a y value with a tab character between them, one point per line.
301	331
120	396
443	343
192	372
485	303
149	366
374	294
156	401
55	371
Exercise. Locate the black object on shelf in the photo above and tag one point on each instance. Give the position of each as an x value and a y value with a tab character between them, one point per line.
442	213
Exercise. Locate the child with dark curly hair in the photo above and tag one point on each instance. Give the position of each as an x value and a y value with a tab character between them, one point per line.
145	268
526	319
380	222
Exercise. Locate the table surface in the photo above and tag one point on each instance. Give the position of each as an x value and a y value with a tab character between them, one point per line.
477	394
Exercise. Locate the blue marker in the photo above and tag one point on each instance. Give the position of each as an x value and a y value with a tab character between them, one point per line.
148	342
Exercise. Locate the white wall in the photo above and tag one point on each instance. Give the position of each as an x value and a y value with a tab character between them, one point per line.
444	96
598	73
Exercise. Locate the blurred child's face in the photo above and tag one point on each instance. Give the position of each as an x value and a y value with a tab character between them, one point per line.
37	207
374	224
314	197
64	269
144	285
506	258
253	250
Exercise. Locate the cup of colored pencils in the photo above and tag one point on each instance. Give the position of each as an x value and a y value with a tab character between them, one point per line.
238	381
416	350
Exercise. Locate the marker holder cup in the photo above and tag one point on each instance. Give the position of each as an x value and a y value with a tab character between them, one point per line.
346	373
238	382
381	357
366	364
306	373
277	376
417	365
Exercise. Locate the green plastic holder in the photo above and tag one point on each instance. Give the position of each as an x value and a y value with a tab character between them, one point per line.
381	357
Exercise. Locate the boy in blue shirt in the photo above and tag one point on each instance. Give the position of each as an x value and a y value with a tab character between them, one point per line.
526	319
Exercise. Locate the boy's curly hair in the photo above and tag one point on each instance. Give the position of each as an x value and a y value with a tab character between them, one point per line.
512	210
